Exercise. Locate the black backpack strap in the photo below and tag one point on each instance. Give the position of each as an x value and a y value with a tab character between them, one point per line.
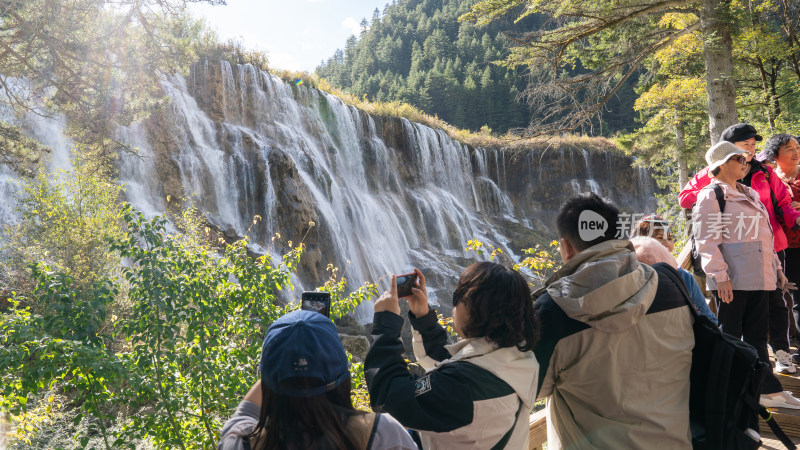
715	403
506	437
664	269
776	429
374	430
720	196
697	267
246	443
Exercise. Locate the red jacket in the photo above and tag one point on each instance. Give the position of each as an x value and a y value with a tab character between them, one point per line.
792	235
688	197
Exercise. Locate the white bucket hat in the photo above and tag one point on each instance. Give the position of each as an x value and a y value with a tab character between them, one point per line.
720	153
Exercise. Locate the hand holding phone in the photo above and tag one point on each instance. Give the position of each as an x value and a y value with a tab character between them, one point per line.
317	301
418	294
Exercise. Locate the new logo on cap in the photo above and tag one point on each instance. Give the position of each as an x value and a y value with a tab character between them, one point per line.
591	225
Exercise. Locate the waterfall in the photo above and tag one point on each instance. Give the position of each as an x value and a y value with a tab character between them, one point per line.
386	194
46	128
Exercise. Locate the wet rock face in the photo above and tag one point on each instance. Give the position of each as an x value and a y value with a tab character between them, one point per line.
355	345
385	194
295	211
539	181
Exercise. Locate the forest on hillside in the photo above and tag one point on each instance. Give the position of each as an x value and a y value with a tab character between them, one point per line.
417	52
637	72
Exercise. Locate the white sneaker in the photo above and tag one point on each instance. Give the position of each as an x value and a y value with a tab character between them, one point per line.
783	362
783	400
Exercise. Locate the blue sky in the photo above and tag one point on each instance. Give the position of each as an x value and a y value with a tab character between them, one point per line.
296	34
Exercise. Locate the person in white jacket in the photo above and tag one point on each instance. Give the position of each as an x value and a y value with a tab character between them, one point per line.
478	392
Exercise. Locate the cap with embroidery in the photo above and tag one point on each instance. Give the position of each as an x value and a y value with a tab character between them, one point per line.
303	344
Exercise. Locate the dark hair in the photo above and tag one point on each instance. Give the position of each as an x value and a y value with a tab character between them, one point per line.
716	170
774	144
569	216
312	422
499	304
643	227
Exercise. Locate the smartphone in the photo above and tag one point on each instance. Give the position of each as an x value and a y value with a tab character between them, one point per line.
317	301
405	283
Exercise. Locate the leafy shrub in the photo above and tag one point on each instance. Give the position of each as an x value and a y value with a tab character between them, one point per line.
180	359
66	221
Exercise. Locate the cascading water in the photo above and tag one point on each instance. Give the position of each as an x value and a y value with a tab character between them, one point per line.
385	194
49	131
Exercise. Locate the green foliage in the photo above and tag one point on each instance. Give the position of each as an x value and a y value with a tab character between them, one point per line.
66	344
539	262
584	56
672	105
176	362
66	220
342	305
190	325
360	393
209	45
416	52
100	62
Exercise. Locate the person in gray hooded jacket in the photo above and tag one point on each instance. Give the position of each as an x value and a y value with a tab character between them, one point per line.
616	341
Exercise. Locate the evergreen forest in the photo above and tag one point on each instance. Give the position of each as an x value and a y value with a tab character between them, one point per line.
418	52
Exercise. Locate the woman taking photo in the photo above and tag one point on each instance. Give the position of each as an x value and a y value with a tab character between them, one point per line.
303	398
477	393
737	254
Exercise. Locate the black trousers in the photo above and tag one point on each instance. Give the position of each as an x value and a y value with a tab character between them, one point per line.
778	317
747	317
792	270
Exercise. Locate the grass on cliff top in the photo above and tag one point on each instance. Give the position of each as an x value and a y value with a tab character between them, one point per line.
482	138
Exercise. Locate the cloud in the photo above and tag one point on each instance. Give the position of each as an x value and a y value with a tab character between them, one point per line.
351	24
286	61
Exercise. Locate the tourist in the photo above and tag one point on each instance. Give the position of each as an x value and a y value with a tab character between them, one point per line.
476	393
737	253
652	251
616	341
303	397
784	151
654	226
776	199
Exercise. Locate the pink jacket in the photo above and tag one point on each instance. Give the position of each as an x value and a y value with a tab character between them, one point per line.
689	194
736	245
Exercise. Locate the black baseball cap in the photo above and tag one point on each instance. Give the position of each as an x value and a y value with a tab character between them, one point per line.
740	132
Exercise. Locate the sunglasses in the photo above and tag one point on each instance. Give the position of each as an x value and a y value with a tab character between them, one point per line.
741	159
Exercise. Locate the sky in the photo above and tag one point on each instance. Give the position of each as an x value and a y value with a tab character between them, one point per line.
296	34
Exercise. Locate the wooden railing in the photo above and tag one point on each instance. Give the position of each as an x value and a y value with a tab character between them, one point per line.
538	430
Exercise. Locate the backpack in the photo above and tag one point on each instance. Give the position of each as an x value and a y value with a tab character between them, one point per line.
725	385
697	267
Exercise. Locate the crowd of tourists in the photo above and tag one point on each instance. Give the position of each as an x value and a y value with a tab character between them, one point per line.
608	340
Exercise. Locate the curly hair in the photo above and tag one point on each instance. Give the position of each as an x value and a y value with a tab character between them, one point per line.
499	304
774	144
